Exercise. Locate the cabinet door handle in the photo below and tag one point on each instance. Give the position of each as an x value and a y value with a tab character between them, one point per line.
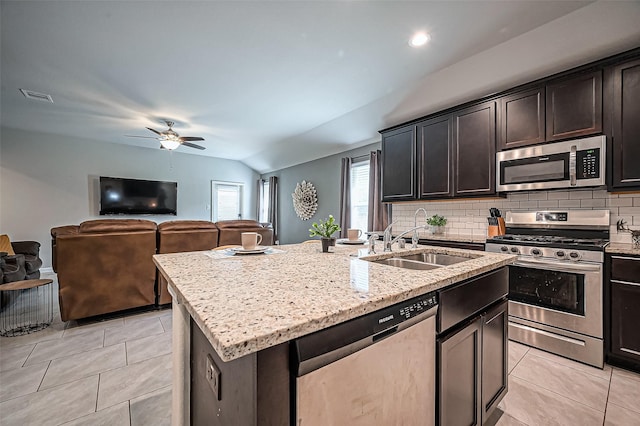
572	165
625	283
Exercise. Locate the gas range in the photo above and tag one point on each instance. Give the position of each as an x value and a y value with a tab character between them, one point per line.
555	285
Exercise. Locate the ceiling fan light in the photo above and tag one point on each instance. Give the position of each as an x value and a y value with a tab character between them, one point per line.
170	144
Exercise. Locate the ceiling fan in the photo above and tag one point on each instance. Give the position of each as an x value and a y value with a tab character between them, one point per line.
171	140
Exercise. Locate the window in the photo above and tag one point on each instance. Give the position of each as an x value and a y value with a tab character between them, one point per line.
263	212
359	195
226	200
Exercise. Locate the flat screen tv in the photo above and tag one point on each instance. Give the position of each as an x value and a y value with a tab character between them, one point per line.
134	196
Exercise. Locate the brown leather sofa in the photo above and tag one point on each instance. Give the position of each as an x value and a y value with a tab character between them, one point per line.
179	236
106	266
231	230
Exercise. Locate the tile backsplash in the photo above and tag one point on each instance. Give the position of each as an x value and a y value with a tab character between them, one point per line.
470	216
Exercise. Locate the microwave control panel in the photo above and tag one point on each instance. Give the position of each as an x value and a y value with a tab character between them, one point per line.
588	164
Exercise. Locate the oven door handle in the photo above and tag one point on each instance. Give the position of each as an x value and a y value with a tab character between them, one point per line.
569	267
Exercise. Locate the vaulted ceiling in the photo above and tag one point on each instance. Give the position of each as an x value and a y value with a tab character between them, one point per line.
276	83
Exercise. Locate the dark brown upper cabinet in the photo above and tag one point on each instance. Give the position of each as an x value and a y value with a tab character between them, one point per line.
574	106
522	119
434	151
625	124
474	147
399	162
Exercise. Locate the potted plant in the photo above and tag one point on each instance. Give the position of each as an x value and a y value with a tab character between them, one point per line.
436	224
325	230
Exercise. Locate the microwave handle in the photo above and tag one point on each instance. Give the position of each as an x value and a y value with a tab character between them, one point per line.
572	165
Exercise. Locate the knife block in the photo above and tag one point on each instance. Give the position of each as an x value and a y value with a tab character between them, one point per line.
493	231
496	230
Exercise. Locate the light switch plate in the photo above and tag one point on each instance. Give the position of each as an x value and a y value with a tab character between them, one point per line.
213	377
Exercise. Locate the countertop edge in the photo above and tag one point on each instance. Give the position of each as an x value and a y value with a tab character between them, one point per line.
622	248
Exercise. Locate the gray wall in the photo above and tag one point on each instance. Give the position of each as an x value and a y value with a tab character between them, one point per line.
48	180
324	174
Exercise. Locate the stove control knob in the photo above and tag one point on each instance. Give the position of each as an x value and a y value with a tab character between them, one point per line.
536	252
574	255
514	250
504	248
560	254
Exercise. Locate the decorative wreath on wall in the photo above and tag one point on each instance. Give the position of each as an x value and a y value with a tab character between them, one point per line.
305	201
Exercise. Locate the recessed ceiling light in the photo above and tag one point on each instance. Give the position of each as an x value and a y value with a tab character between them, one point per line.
419	39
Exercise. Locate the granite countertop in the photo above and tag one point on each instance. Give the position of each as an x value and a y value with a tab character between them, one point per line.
244	304
622	248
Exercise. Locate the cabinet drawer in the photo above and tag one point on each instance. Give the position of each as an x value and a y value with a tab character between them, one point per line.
468	298
625	269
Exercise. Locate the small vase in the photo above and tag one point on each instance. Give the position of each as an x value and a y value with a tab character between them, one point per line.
436	229
328	244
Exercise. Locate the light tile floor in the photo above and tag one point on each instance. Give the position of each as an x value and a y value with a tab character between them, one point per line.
118	372
112	372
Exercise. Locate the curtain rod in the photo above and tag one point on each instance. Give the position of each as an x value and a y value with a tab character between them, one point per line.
360	157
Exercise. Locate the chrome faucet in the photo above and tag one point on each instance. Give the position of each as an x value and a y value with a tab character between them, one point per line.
387	246
372	243
414	238
387	237
388	242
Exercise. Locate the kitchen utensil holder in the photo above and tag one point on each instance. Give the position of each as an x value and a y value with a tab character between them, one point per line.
493	231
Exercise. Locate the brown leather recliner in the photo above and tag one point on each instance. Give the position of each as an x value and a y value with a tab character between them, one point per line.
178	236
60	230
231	230
105	267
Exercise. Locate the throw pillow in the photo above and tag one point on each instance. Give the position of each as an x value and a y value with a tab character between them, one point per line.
5	245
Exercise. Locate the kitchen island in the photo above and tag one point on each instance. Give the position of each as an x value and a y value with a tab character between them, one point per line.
248	305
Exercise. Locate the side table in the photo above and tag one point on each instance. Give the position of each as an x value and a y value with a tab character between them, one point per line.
25	306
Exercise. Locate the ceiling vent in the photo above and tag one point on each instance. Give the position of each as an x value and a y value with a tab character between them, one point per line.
30	94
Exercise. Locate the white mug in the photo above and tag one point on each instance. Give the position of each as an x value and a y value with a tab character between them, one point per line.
250	240
354	234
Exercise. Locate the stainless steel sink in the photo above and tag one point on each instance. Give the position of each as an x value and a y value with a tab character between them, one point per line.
436	258
406	263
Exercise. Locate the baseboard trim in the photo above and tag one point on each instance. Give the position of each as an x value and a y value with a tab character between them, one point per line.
46	270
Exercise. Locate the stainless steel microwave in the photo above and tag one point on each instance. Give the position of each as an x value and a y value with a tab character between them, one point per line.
569	164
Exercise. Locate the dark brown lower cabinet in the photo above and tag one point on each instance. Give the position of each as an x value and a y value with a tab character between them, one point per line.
472	373
495	357
459	376
624	335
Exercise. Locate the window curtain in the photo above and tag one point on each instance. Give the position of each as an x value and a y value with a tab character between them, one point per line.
259	197
345	196
379	212
272	215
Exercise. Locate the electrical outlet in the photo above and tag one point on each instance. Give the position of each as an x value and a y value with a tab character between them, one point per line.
212	375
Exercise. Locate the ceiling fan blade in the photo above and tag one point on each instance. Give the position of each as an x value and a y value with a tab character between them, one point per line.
143	137
190	138
192	145
154	131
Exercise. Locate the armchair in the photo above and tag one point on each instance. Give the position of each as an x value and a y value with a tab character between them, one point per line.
20	260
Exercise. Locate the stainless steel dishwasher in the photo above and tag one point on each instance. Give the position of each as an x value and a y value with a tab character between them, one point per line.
376	369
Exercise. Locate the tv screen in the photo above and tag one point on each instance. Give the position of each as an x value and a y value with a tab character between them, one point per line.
134	196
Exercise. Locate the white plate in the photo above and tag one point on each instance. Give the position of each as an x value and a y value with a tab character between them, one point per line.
257	250
351	242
